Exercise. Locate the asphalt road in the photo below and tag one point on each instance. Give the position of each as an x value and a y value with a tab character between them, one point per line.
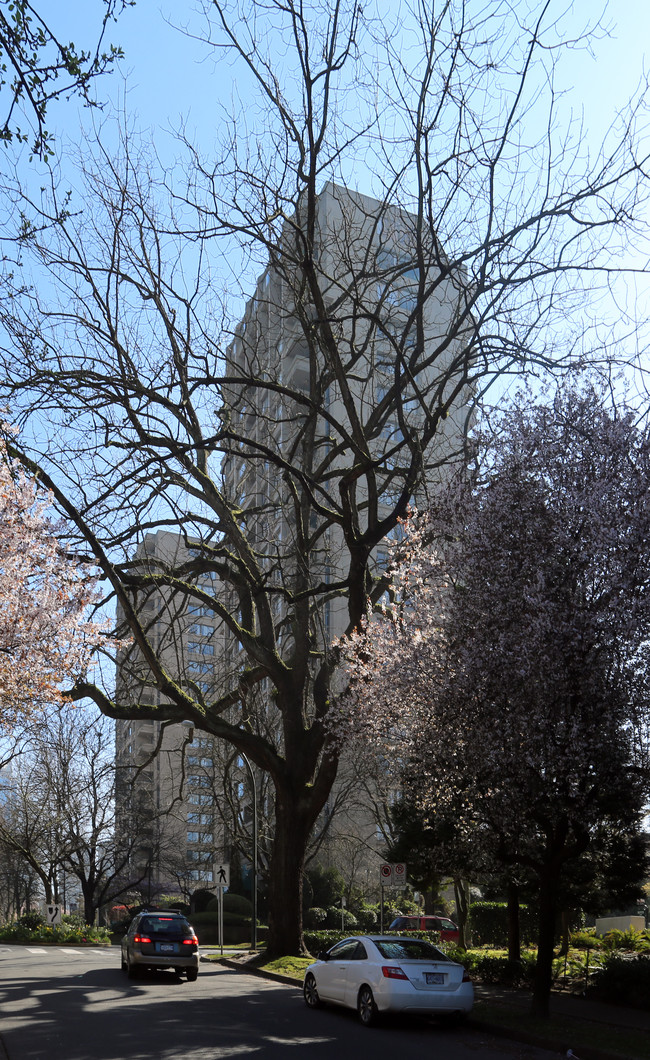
60	1004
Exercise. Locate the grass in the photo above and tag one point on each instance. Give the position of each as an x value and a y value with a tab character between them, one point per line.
294	967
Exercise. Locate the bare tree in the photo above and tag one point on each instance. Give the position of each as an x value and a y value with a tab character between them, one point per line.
38	67
285	447
58	810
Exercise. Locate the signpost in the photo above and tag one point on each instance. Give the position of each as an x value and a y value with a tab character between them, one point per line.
53	915
222	881
391	874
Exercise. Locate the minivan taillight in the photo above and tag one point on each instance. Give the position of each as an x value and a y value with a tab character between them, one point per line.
191	942
141	938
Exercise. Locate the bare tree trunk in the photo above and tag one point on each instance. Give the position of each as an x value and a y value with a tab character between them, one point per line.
545	943
461	895
286	878
514	937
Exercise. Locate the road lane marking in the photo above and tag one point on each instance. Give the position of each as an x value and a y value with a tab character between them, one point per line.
36	951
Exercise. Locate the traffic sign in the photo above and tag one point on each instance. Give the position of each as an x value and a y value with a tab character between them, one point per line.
222	875
53	914
392	874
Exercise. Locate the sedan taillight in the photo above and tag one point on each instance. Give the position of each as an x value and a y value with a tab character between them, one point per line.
389	971
466	977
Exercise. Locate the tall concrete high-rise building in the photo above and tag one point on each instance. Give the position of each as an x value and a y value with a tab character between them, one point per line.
169	776
291	413
382	290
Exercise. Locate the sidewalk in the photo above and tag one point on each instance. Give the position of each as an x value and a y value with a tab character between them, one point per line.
581	1013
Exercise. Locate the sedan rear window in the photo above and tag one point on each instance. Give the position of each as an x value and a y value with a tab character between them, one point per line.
409	949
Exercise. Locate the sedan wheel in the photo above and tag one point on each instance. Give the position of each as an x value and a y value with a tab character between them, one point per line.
310	993
366	1007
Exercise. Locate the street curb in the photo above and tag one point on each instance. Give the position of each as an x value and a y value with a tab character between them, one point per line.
552	1045
261	973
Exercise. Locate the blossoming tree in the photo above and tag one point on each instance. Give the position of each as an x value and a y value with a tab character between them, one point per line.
45	594
509	676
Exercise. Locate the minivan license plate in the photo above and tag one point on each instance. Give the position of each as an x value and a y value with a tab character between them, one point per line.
166	948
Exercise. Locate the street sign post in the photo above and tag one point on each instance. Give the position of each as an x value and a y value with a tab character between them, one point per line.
222	881
53	914
222	875
391	874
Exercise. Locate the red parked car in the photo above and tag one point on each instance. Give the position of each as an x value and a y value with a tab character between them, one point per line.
447	929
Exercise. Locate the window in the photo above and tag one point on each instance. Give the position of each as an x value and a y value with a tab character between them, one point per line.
199	818
204	856
200	609
201	629
200	648
201	874
207	763
199	799
200	781
199	667
192	837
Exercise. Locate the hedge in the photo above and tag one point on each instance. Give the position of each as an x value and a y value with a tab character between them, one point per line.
232	903
488	923
315	941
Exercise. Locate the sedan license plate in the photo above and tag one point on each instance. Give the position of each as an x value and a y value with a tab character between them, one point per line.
434	978
167	947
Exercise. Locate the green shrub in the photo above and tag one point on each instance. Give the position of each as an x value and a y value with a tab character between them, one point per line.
337	916
315	941
625	980
639	941
488	923
315	918
368	918
200	899
65	932
232	903
429	936
585	940
236	903
31	921
211	916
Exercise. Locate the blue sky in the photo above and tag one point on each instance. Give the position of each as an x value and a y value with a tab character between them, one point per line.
169	77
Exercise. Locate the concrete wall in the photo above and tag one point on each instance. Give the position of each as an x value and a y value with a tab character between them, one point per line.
619	923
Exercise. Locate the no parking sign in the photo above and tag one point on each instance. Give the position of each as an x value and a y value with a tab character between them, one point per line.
392	874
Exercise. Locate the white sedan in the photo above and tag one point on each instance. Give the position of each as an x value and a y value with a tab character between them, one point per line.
376	973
